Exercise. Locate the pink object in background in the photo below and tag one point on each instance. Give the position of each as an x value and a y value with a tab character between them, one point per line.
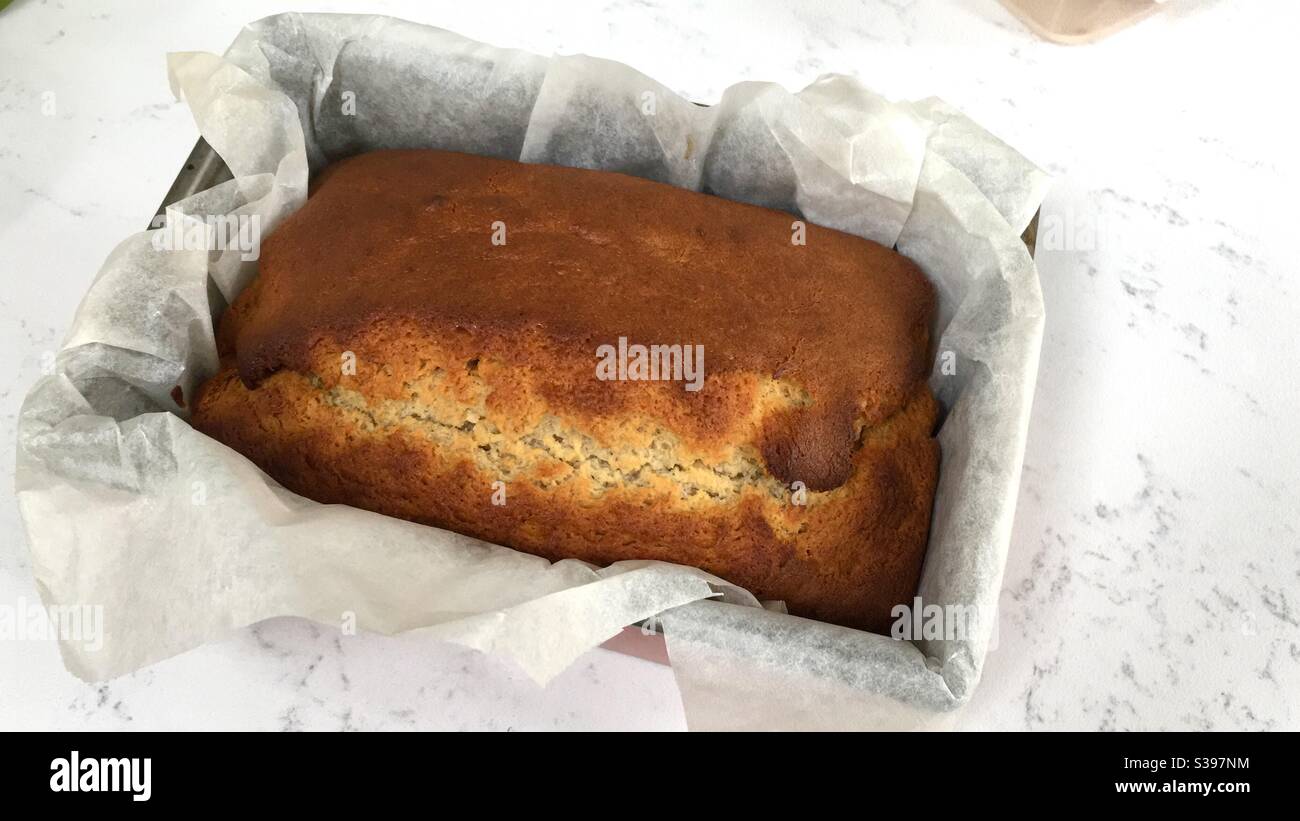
1079	21
633	641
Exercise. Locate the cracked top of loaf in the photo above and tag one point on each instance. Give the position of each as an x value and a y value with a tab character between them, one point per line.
806	346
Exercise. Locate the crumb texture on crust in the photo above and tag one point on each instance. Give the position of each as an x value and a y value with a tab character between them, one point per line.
389	356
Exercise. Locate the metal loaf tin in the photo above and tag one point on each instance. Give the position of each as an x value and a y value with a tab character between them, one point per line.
204	169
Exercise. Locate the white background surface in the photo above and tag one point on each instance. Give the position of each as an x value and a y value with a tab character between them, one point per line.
1154	577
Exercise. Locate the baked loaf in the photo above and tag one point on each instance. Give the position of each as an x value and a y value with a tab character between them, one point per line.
423	340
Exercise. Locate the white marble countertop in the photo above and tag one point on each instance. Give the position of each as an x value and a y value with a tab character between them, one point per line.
1154	576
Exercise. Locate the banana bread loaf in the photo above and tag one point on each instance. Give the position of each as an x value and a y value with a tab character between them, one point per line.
582	364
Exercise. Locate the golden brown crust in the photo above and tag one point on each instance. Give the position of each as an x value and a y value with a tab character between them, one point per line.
469	364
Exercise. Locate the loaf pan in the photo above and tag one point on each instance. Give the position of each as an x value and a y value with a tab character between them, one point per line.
204	169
